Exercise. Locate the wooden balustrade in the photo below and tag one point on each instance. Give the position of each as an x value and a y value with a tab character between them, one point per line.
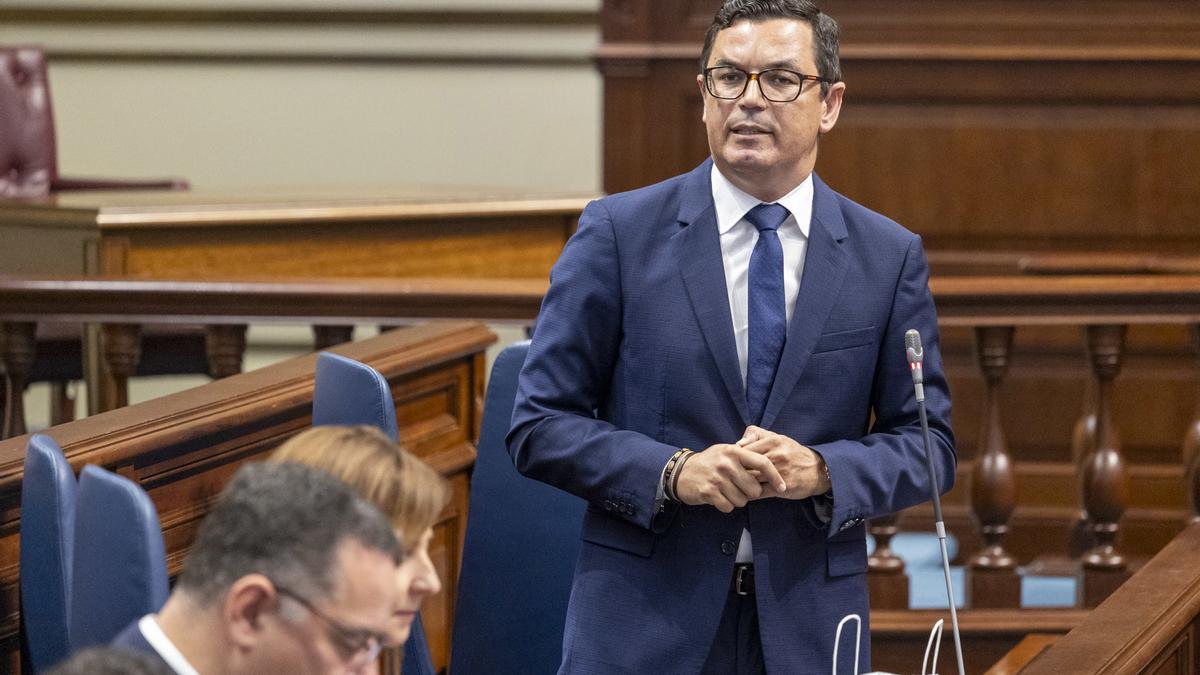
1191	446
182	448
993	580
121	305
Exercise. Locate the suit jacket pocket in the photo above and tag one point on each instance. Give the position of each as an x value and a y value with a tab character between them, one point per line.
846	557
600	528
844	339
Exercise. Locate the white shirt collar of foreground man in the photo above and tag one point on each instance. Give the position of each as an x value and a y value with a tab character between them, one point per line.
162	644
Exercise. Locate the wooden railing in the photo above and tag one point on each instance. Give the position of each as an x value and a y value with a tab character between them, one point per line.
1149	625
182	448
120	306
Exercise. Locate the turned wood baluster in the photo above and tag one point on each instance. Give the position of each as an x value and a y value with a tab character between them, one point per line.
225	346
121	346
887	583
328	336
1191	447
992	579
18	347
1103	481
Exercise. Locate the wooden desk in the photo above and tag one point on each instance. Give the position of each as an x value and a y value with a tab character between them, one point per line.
320	232
288	232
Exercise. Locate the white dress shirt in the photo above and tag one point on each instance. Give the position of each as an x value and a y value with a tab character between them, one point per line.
162	644
738	237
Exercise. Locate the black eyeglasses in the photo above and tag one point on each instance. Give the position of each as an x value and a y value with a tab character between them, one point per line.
778	85
362	645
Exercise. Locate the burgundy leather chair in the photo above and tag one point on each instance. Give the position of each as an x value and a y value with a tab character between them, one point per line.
29	168
28	154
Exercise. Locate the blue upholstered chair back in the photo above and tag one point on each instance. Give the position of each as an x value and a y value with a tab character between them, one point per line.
349	392
417	659
48	493
519	556
120	571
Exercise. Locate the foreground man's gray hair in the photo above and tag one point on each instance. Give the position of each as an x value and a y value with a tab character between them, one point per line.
286	521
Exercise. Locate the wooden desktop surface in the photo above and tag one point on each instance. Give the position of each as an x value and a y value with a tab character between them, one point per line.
388	231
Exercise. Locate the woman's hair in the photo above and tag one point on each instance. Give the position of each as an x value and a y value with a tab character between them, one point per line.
403	487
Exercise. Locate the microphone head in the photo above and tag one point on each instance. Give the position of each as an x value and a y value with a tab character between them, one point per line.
912	346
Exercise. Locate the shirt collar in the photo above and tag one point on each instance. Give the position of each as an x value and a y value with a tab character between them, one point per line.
162	644
732	203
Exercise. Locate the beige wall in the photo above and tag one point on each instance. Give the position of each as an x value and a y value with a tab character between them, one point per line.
350	100
372	95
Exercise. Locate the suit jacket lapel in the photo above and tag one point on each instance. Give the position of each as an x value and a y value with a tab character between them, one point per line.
699	258
825	263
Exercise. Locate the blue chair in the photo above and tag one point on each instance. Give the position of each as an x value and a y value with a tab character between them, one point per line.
519	556
417	659
120	571
349	392
48	493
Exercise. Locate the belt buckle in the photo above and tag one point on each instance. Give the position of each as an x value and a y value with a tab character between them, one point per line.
738	577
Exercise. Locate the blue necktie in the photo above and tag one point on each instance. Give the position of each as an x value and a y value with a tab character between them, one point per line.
766	305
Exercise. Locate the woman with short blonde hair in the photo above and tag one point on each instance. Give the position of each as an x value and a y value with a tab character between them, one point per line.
399	484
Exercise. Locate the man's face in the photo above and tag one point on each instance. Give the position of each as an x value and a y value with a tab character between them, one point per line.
332	636
767	148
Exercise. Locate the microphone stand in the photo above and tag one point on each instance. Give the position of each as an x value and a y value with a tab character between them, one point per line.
915	356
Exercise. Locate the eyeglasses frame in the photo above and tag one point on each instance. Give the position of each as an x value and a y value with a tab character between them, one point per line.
754	76
360	653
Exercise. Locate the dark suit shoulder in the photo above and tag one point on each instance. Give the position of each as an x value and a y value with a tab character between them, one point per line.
131	638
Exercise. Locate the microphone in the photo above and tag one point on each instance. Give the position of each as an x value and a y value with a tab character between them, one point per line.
912	347
916	355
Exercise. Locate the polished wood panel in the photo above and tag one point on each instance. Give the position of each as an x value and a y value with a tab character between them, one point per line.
182	448
1147	626
985	124
898	638
1022	654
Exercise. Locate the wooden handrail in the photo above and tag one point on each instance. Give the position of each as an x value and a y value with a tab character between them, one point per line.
321	301
1067	300
961	301
1147	621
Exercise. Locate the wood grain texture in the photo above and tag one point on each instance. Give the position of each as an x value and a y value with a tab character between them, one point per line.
386	232
184	447
979	124
1146	626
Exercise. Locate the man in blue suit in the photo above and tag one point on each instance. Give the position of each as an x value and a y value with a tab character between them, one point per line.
749	313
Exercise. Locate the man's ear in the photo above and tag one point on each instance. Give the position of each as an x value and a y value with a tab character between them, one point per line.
248	600
831	106
703	93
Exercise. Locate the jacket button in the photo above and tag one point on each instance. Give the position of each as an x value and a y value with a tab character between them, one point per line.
728	547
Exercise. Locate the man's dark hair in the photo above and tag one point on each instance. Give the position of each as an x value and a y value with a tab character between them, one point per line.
286	521
825	30
112	661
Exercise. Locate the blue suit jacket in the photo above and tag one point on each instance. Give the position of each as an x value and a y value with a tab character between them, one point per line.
633	357
131	638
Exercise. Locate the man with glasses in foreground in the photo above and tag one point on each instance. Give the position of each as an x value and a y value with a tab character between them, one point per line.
719	369
291	573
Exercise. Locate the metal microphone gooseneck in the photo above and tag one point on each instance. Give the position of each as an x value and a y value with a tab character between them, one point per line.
916	355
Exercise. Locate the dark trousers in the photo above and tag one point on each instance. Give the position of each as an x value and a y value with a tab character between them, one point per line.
737	648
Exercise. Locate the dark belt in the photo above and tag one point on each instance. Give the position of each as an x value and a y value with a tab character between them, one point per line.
743	579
